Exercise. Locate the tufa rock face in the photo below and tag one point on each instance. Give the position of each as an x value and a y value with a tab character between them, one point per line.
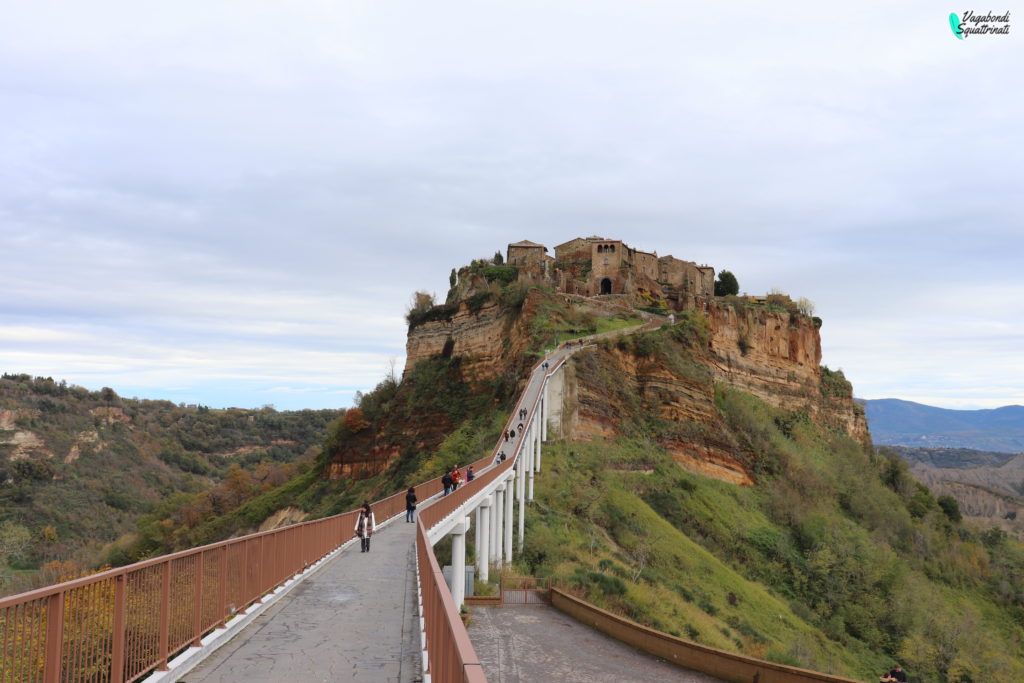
776	356
777	362
486	339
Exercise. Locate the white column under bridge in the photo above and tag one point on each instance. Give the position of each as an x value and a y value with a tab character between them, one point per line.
508	517
459	562
531	454
483	537
499	509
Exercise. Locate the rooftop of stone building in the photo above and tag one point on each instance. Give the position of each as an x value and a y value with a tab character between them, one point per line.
528	243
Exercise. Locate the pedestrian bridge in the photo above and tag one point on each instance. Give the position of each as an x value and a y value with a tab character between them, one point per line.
296	604
306	616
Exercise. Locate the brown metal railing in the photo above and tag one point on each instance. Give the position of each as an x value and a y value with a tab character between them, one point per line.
119	625
450	656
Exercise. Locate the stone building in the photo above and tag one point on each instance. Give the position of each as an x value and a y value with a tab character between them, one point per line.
596	266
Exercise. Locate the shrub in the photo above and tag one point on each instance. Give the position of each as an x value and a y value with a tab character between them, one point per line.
504	275
514	295
478	301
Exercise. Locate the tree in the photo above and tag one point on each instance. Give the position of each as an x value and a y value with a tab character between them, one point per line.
354	420
420	304
805	306
453	277
498	259
950	507
726	284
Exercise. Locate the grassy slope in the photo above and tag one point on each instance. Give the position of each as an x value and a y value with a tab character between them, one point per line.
836	561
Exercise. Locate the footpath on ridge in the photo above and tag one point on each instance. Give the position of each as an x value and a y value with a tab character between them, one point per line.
354	619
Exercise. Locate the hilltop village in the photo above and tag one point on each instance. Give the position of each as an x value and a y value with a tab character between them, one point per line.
593	266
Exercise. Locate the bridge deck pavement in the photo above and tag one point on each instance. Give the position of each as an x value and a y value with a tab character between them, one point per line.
354	620
539	643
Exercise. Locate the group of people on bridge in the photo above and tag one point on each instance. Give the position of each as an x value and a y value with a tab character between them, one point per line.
453	479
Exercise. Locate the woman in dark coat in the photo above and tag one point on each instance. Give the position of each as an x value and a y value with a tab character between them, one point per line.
410	504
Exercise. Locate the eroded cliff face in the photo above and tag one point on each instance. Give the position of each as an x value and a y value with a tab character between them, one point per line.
486	339
776	356
767	354
609	392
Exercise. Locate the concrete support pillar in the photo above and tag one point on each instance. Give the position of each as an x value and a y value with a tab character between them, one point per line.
492	530
483	537
536	454
476	536
499	509
520	489
544	412
459	564
530	466
509	487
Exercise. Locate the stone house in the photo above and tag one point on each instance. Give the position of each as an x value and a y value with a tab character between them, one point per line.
596	266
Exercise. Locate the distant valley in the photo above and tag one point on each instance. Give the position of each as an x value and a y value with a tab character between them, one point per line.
976	456
894	422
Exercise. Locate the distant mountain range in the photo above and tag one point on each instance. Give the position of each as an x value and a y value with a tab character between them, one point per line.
894	422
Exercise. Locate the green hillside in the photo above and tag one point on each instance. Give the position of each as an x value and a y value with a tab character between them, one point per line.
79	469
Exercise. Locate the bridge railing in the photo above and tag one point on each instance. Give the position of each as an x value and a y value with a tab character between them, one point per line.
119	625
450	655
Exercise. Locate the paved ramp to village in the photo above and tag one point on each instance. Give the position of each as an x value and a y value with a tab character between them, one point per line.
539	643
353	620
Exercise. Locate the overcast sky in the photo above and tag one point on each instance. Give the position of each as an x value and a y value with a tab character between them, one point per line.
230	203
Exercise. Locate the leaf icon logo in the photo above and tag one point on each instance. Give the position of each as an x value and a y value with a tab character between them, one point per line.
954	23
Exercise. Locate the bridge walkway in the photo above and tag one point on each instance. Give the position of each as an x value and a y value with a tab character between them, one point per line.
353	620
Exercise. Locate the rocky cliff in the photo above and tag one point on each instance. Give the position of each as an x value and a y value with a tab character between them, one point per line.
776	356
771	353
486	339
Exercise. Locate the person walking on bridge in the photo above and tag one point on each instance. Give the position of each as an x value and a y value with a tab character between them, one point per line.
410	504
365	526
